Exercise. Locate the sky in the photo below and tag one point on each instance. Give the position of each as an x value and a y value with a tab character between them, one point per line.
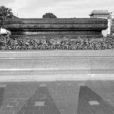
61	8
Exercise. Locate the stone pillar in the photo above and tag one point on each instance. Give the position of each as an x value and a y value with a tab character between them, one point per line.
58	28
106	15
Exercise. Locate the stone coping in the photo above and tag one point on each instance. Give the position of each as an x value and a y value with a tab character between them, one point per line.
60	20
56	65
59	53
84	26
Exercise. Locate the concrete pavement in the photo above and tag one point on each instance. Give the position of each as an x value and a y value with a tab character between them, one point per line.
49	82
65	97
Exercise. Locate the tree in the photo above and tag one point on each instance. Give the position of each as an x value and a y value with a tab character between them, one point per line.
5	13
49	15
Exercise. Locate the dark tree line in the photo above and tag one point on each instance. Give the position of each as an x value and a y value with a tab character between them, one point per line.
49	15
5	14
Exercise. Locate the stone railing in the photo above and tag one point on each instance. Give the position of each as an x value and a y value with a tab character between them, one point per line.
45	28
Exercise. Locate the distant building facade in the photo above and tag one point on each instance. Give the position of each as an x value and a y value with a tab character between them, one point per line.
103	14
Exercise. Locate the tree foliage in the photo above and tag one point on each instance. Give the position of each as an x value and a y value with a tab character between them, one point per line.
49	15
78	43
5	13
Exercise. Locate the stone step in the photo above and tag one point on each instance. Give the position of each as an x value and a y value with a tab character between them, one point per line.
56	65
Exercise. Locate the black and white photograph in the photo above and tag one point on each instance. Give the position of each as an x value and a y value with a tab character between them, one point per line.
56	57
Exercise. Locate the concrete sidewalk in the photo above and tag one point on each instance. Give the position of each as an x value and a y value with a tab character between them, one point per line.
67	97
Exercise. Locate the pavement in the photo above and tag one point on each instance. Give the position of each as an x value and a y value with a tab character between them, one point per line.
91	103
79	97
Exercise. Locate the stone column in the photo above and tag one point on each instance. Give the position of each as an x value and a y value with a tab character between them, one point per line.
106	15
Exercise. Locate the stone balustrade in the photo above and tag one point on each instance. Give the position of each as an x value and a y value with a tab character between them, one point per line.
72	27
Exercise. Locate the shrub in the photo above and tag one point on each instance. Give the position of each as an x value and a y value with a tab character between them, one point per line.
57	43
49	15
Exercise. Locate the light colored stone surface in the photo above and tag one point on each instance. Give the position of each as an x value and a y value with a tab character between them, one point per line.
56	65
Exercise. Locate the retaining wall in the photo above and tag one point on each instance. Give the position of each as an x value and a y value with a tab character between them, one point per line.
58	27
56	65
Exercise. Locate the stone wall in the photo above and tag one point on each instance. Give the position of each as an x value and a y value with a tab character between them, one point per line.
112	27
44	28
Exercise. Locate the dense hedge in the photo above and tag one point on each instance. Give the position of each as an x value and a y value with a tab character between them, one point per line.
7	43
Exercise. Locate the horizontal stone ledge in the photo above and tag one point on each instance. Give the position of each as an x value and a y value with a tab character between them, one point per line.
52	78
57	62
54	35
57	53
24	72
59	21
30	33
58	27
35	36
48	25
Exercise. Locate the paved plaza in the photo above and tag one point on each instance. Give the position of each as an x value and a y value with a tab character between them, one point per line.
79	97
